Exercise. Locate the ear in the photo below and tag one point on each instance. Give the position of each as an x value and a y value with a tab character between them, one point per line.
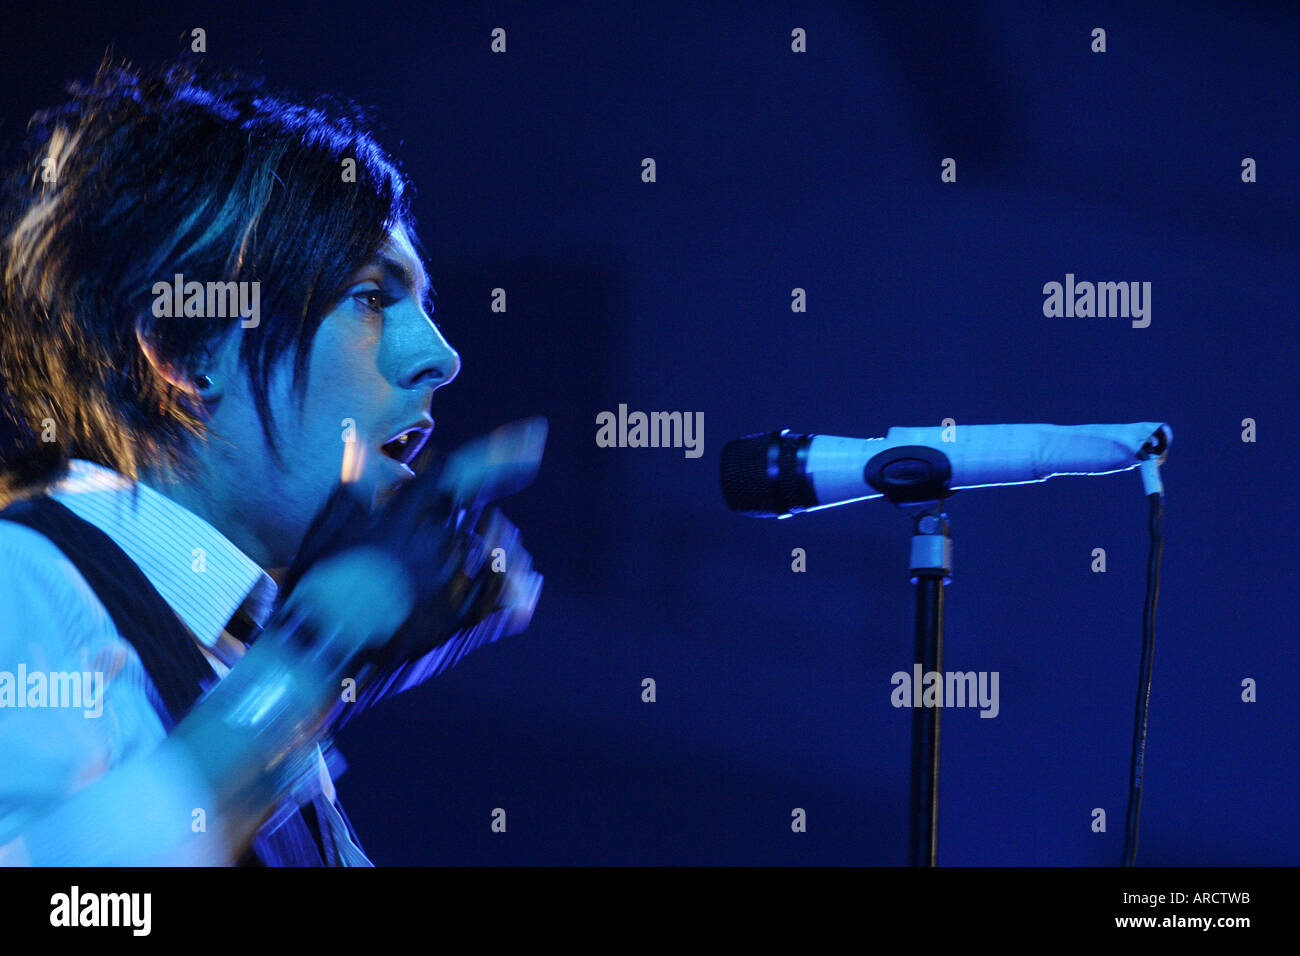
205	382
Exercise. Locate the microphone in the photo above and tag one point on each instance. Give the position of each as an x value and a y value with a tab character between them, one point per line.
780	474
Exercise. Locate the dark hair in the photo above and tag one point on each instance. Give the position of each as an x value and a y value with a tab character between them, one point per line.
151	173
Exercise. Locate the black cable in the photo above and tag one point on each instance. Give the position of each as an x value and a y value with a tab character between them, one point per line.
1144	682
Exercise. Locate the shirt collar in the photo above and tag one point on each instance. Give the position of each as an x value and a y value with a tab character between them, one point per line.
195	568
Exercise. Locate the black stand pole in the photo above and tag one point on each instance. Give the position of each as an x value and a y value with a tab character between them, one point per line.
931	563
915	478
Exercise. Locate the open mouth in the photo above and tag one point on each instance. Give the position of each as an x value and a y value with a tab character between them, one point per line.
408	443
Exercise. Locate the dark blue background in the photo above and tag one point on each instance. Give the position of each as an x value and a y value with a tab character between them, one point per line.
821	171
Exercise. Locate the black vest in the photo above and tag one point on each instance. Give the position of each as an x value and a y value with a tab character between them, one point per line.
178	669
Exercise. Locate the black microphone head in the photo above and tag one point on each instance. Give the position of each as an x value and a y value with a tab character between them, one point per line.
764	475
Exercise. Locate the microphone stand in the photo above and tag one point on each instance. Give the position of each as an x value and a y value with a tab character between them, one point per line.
915	478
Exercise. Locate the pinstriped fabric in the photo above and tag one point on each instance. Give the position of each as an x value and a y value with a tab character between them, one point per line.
166	647
169	543
161	538
52	621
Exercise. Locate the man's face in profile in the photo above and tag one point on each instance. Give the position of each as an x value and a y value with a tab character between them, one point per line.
374	365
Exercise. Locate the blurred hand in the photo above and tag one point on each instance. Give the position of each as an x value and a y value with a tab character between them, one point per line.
430	561
491	594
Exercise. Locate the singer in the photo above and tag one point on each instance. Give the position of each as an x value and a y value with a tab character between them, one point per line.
173	514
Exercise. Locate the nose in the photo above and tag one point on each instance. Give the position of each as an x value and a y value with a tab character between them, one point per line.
432	362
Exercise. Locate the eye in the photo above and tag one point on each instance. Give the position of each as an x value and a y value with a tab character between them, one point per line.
373	301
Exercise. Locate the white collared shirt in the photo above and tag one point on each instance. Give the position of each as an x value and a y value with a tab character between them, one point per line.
51	622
